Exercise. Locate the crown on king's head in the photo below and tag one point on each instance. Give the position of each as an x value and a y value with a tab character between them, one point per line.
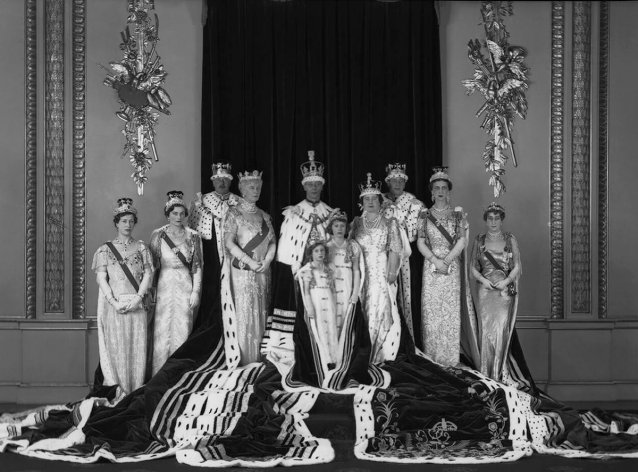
124	205
250	175
396	171
221	170
174	197
494	207
440	173
312	170
369	186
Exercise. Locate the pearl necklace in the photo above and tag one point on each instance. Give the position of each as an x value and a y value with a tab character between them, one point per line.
495	236
439	212
371	225
249	207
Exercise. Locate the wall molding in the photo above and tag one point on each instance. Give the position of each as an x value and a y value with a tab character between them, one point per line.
556	160
31	154
54	224
603	165
580	160
79	158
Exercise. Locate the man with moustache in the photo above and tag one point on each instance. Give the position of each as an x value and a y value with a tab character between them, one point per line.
406	208
206	215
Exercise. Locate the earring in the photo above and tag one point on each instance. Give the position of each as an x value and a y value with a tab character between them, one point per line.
447	200
432	197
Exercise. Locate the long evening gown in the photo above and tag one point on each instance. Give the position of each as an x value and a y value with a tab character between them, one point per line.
378	299
442	297
250	290
496	309
173	320
122	337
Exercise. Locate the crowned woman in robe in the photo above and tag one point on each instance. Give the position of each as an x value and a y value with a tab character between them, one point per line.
177	256
124	268
380	242
250	244
496	266
448	320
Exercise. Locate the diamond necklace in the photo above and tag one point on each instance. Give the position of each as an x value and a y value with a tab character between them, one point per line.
249	207
371	225
495	236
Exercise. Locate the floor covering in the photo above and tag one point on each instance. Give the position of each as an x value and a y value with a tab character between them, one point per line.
332	418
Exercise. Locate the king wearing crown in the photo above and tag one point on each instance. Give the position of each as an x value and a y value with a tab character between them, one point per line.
406	208
303	222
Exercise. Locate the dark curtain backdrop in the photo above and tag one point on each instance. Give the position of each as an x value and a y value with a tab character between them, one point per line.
356	81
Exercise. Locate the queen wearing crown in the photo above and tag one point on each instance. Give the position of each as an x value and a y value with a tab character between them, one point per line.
177	255
380	242
496	266
448	319
124	268
250	243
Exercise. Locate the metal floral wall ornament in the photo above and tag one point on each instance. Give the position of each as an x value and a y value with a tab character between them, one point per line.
138	79
501	77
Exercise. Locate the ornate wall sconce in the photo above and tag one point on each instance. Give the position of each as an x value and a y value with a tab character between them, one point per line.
501	77
138	80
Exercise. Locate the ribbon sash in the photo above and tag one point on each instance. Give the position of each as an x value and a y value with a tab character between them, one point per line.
251	245
494	262
177	252
511	288
441	229
125	268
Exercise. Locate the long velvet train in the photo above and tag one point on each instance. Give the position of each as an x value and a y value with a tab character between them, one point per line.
207	411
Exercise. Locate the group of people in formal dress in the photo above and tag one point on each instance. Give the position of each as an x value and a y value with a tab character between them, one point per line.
321	271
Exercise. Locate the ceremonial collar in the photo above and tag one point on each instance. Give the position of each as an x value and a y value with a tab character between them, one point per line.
313	204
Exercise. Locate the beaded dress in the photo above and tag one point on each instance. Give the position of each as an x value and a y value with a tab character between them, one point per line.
250	290
377	299
173	321
441	293
122	337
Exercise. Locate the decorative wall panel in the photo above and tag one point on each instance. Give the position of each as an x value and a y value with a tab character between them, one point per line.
79	190
31	156
54	158
556	164
580	171
603	197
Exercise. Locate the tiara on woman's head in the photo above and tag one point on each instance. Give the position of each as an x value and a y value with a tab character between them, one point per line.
124	205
